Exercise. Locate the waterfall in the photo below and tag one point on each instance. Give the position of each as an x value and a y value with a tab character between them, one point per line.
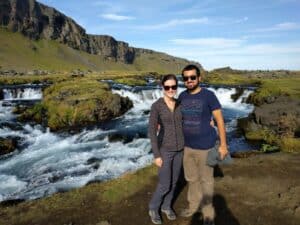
22	94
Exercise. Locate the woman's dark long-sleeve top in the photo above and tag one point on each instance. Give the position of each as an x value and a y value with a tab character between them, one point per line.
170	137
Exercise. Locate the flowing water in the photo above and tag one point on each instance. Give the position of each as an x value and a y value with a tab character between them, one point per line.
46	162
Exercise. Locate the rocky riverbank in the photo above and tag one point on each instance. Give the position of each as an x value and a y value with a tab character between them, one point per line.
275	119
263	189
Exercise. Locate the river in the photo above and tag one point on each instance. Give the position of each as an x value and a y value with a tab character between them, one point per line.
45	162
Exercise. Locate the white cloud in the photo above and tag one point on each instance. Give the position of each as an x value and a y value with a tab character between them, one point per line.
176	22
281	27
209	42
242	20
110	16
237	53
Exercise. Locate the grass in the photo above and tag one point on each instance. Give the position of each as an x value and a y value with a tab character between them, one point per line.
116	191
92	201
271	87
22	54
131	81
273	141
229	77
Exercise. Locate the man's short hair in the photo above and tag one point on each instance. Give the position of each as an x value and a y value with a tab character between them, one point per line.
191	67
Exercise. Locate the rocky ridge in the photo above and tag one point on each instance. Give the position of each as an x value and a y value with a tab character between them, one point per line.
38	21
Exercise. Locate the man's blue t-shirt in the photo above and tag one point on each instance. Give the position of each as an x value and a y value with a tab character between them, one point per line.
197	114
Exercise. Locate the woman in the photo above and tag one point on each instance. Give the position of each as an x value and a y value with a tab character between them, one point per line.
167	148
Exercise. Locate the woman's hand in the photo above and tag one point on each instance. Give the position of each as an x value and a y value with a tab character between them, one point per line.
158	161
212	123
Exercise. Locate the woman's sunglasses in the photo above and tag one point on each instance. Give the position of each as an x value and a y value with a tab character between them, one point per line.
173	87
186	78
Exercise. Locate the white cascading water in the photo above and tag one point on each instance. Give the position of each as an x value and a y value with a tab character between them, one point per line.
22	93
49	162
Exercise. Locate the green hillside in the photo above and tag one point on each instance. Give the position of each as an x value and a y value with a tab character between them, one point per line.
22	54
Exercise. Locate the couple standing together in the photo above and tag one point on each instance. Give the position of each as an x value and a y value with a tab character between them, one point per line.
185	137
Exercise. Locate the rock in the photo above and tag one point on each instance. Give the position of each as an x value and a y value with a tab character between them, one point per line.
239	92
280	115
7	145
77	73
111	49
93	160
73	104
1	94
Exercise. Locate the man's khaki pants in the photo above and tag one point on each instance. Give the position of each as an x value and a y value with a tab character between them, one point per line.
200	181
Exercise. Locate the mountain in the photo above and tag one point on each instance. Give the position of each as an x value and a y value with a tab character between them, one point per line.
37	22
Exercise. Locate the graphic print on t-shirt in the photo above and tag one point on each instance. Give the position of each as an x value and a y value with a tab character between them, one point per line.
192	110
197	113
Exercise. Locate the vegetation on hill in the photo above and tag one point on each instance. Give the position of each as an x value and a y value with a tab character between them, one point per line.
22	54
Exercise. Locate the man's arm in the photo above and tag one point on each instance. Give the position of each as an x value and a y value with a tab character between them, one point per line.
222	133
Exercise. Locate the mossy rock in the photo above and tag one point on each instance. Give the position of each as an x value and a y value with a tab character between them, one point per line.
38	113
76	103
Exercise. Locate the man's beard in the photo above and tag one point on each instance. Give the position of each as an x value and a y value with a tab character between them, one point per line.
192	88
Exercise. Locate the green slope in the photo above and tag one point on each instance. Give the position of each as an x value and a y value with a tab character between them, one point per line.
22	54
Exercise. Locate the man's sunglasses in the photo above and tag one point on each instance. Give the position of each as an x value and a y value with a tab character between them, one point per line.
186	78
173	87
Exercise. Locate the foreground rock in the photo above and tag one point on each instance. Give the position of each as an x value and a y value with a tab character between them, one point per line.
263	189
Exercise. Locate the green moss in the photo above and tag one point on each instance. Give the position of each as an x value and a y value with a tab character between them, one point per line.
289	144
276	87
131	81
266	90
229	77
273	141
75	103
36	113
261	135
33	79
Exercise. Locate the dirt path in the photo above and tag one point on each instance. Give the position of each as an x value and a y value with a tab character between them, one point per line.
262	189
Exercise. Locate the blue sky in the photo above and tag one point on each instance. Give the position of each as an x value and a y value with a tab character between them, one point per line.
249	34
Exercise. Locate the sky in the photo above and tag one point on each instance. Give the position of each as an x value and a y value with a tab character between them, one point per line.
242	34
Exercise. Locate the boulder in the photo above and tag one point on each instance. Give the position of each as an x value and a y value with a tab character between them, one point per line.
7	145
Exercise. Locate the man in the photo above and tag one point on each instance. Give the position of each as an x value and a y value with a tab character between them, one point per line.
198	106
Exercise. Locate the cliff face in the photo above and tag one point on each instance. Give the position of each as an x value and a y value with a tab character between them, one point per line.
38	21
110	48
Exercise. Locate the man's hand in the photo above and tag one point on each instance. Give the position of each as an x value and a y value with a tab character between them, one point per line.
158	161
223	151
